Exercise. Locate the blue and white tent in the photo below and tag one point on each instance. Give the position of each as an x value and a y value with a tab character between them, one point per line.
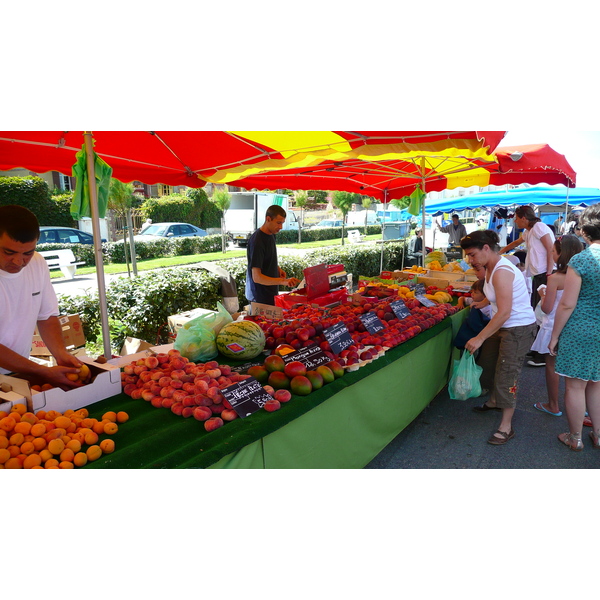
536	196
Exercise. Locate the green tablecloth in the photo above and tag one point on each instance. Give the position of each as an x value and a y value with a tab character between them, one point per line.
345	424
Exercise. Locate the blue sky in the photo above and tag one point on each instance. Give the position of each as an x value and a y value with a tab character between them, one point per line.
581	149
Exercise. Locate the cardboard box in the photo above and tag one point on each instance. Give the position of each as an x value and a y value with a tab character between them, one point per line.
127	359
266	310
437	281
177	321
106	383
133	345
397	275
449	275
72	332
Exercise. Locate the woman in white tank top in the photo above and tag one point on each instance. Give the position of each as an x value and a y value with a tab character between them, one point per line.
506	339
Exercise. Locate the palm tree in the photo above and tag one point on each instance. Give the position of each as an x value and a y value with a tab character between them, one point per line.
222	200
366	202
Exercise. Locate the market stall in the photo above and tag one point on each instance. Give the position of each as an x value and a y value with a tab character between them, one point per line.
343	425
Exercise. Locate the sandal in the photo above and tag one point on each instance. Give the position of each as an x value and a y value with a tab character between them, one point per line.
595	440
587	422
568	438
498	441
485	408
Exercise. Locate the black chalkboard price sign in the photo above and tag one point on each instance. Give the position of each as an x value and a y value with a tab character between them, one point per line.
311	357
371	322
400	309
424	301
246	396
419	289
338	337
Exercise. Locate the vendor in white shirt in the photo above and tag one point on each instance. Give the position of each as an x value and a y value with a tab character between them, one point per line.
27	299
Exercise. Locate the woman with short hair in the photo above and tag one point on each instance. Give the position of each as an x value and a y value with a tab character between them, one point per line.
506	339
576	335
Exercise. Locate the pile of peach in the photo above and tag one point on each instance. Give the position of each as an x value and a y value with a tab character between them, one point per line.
51	440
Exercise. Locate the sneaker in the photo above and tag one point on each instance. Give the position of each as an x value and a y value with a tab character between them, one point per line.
536	362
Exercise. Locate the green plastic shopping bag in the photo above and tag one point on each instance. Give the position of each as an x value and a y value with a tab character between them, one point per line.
464	382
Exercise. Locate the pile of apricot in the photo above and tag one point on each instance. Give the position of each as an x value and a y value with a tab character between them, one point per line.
51	440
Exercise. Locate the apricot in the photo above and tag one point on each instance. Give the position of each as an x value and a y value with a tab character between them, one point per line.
110	416
94	452
22	427
88	422
46	387
72	376
13	463
27	448
80	459
33	460
80	437
65	464
16	439
30	418
20	408
39	443
8	423
107	446
74	445
56	446
40	414
111	428
14	451
69	413
91	438
99	427
3	414
122	417
38	429
51	415
62	422
82	412
4	443
52	463
4	455
45	455
67	455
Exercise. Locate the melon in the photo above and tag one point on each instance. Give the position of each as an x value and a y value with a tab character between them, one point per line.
241	340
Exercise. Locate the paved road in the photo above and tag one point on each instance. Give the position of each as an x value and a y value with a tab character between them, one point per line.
449	435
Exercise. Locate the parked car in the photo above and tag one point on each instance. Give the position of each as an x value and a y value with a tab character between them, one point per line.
328	223
64	235
160	230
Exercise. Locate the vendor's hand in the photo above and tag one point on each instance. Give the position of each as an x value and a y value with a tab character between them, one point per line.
282	273
291	282
473	344
58	377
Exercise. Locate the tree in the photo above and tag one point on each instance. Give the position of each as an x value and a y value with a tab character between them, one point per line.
344	201
301	198
121	199
222	200
204	214
366	202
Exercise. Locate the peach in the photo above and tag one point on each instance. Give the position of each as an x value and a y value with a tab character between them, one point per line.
167	392
177	408
151	362
213	423
136	394
272	405
157	401
167	402
202	413
225	370
147	395
164	381
283	395
187	411
162	358
189	401
229	414
128	369
214	373
269	389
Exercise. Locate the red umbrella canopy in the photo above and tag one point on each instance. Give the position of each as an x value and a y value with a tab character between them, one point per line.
434	171
193	158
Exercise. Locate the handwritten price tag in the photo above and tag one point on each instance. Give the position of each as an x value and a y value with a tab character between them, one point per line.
425	301
246	397
338	337
400	309
311	357
371	322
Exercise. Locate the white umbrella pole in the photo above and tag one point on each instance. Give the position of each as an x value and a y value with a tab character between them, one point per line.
89	150
423	211
383	230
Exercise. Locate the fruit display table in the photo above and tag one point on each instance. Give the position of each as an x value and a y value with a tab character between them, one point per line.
343	425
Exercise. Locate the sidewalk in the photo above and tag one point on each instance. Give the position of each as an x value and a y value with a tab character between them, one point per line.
449	435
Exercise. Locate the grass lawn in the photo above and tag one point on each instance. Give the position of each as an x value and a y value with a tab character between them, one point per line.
174	261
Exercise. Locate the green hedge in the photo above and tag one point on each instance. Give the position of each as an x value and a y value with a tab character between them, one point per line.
139	306
33	193
290	236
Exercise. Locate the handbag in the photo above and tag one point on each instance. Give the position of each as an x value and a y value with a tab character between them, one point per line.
464	382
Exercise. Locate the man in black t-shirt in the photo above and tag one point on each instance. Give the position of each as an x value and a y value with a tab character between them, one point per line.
264	275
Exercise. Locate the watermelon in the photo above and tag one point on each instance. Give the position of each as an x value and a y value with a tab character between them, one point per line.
241	340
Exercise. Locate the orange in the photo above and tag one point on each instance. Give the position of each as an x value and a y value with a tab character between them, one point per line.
17	439
111	428
7	423
22	427
4	455
27	448
62	422
110	416
13	463
93	452
67	455
91	438
39	443
33	460
65	464
107	446
122	417
51	463
4	443
99	427
80	459
56	446
74	445
20	408
45	455
38	429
